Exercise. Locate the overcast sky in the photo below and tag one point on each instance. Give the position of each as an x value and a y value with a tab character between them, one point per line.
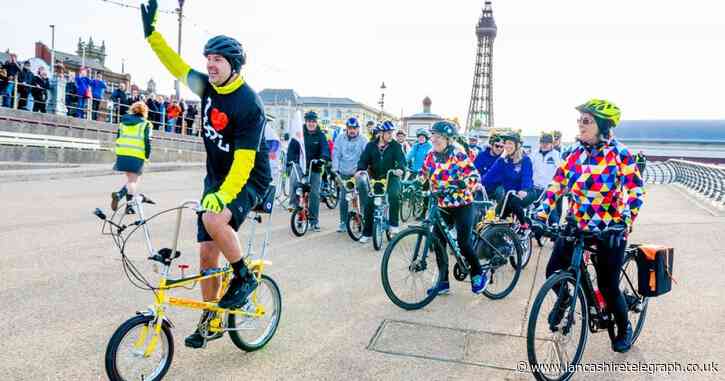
655	59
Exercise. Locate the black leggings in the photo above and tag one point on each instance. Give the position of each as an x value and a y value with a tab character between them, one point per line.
462	217
608	265
517	205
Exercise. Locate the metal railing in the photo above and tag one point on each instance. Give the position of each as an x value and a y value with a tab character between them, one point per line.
98	109
705	180
105	134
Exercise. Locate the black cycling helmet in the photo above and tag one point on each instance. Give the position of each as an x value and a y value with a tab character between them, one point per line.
494	138
511	136
444	128
229	48
311	115
546	138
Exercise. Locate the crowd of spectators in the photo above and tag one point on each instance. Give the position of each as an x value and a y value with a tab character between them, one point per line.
89	96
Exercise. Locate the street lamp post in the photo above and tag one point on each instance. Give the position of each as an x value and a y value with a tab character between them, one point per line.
52	51
180	10
382	100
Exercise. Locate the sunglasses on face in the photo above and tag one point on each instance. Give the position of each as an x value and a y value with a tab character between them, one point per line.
585	121
498	145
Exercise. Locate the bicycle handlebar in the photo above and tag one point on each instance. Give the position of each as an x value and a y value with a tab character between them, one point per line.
571	230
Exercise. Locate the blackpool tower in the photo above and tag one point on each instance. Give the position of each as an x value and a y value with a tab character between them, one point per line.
480	109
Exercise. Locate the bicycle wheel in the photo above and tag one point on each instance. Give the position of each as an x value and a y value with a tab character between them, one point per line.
377	234
406	205
299	222
409	268
636	303
554	353
332	198
354	226
125	353
253	333
501	244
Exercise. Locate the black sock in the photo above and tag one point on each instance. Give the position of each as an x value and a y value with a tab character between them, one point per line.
240	270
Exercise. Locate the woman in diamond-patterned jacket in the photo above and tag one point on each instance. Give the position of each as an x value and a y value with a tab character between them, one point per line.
448	168
604	188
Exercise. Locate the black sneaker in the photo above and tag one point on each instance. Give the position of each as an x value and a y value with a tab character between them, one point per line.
236	295
623	342
557	313
196	340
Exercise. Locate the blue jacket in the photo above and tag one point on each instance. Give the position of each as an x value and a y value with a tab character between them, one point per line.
484	161
98	88
82	85
511	176
416	155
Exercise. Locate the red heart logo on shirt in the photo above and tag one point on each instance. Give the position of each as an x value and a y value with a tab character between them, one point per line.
219	120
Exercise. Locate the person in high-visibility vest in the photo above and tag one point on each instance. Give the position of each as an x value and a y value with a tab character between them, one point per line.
133	149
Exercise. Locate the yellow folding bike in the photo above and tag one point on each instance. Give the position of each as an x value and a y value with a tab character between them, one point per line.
142	347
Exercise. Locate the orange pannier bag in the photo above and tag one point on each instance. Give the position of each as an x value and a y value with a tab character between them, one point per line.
654	269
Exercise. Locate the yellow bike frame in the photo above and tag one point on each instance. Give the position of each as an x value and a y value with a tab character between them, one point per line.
161	299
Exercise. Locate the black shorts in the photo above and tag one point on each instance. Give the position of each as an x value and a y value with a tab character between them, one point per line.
246	200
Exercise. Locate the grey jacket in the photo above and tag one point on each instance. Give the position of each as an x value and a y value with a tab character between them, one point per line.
346	153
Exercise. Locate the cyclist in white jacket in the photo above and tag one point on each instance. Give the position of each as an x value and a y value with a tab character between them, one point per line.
545	163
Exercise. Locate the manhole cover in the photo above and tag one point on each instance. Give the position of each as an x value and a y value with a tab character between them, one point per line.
486	349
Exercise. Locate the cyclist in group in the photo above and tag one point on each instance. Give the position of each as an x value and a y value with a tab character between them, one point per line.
349	147
563	153
328	132
556	135
513	171
486	158
448	169
401	137
381	155
370	130
545	163
641	161
473	145
597	202
417	154
316	148
237	164
133	149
